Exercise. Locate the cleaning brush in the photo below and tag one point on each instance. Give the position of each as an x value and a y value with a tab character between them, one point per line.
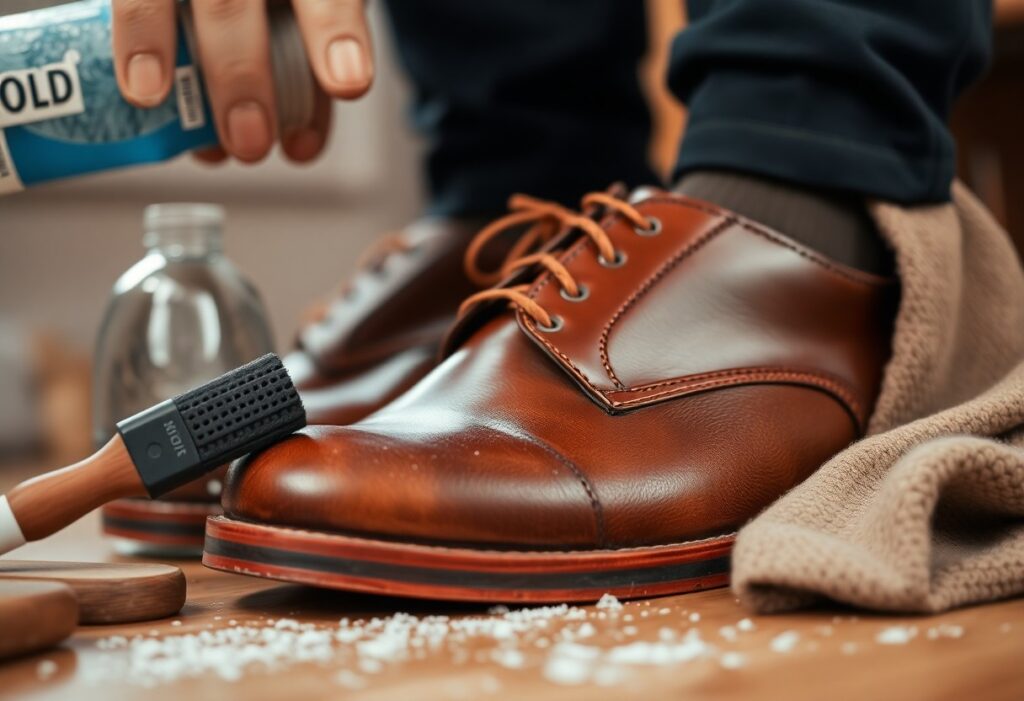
159	449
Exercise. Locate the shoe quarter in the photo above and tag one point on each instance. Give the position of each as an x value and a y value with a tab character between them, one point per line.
711	301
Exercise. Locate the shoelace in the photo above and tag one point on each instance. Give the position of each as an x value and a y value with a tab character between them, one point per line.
372	260
546	220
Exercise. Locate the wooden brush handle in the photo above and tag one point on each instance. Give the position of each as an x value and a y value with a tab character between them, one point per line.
45	504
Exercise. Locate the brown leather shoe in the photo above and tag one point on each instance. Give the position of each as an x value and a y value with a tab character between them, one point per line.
603	422
382	332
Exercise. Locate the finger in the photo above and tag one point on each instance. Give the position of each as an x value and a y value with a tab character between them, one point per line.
338	44
211	156
304	145
143	38
233	41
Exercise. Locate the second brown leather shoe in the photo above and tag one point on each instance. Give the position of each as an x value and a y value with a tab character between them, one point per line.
382	331
604	421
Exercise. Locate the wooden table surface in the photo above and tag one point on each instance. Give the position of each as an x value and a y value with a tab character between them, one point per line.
830	653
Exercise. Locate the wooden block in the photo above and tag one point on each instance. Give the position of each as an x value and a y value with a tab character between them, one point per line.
35	615
109	592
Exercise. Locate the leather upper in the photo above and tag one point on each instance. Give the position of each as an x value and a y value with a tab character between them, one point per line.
685	390
382	335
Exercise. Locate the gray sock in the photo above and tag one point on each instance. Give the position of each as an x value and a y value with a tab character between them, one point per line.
833	223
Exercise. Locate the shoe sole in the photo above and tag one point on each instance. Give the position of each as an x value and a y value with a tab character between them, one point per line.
463	574
170	524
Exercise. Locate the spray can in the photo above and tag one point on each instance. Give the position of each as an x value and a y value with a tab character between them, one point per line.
62	115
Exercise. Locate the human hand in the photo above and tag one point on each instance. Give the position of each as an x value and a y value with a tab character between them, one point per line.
234	48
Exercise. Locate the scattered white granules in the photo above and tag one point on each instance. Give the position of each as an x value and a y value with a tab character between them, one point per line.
785	641
945	630
896	635
609	603
660	653
46	669
568	645
571	663
552	639
732	660
214	488
509	658
585	631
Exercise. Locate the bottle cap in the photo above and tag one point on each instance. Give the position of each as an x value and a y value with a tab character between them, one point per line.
186	228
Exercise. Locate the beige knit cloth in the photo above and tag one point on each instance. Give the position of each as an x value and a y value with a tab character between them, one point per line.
927	513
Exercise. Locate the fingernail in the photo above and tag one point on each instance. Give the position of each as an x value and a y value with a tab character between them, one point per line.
145	78
248	130
347	63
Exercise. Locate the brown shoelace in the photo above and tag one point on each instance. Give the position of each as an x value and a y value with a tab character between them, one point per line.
546	220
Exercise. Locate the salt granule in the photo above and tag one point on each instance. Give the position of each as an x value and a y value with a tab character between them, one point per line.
609	602
746	625
896	635
785	641
945	630
732	660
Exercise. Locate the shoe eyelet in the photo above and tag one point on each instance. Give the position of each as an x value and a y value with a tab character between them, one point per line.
556	325
617	262
653	229
583	293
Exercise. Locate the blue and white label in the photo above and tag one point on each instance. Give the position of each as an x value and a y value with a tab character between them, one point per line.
47	92
61	112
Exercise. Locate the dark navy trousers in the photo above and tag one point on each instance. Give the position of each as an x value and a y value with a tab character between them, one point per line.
542	96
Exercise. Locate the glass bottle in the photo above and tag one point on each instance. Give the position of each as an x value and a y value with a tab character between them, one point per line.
179	317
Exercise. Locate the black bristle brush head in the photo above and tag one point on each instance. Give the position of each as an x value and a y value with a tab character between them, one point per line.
242	411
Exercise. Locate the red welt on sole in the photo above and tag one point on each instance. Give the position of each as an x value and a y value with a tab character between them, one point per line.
460	573
154	522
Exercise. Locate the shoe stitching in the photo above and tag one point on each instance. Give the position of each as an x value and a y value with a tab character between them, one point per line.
690	248
751	376
595	503
859	277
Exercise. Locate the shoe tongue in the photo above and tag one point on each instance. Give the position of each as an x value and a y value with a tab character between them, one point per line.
644	192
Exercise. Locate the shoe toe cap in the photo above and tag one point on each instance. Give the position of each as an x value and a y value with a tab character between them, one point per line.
475	485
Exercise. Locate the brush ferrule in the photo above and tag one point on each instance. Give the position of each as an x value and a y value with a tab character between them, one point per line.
161	448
